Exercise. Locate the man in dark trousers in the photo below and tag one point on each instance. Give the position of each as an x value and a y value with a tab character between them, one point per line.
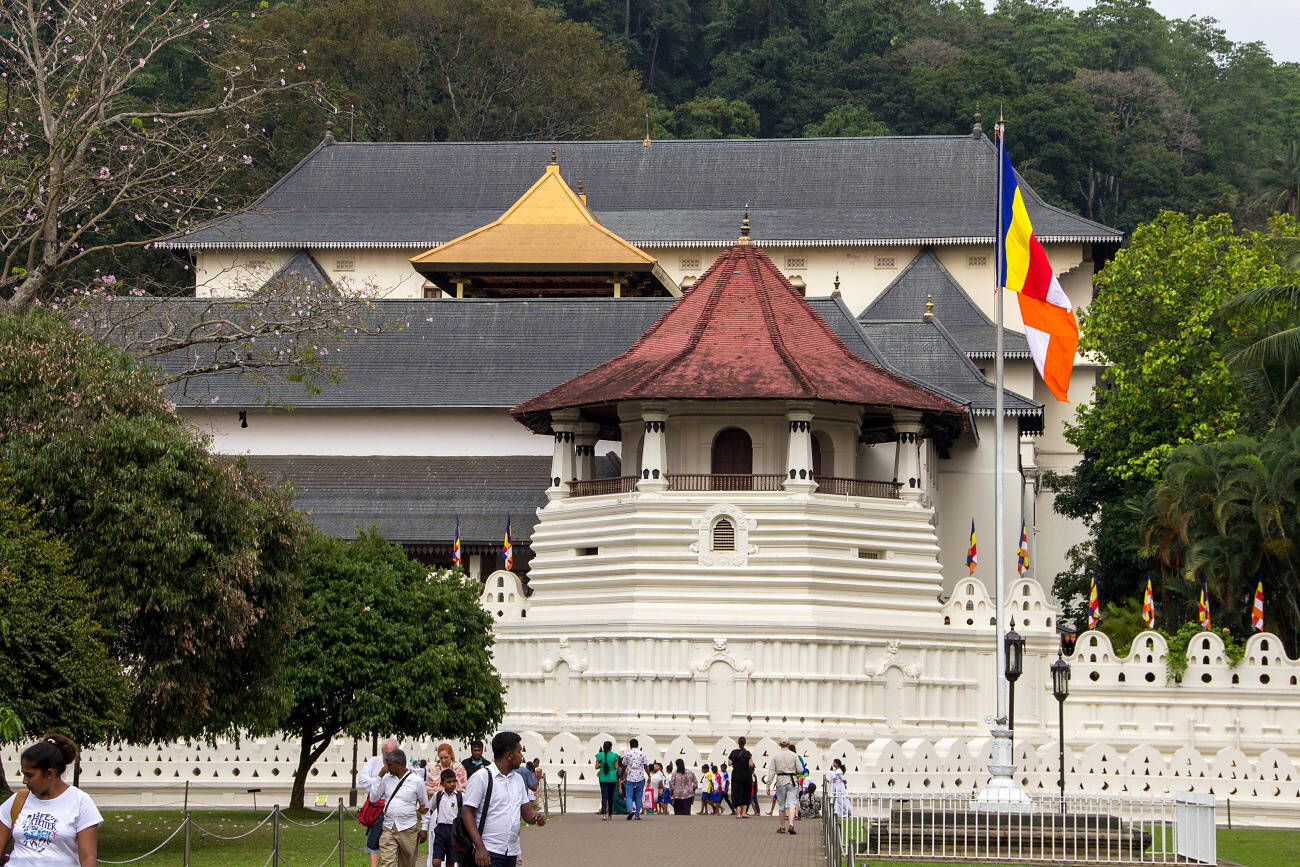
498	843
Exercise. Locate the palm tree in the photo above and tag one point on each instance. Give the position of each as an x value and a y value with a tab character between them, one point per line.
1270	365
1280	181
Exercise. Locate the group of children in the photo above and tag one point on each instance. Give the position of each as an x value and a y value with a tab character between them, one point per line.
714	787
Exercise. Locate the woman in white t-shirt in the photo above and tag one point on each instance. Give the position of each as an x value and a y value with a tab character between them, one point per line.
52	824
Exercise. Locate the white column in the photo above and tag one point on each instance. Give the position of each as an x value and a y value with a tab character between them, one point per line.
907	463
585	449
799	468
563	470
654	452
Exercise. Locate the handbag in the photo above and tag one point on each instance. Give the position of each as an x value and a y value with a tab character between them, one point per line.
459	836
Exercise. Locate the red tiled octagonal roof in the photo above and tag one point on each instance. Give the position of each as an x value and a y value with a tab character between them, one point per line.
743	332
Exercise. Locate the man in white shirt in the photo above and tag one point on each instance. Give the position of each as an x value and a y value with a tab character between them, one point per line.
367	779
497	845
404	800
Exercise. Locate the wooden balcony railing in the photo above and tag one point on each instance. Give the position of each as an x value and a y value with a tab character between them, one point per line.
596	487
728	482
858	487
723	482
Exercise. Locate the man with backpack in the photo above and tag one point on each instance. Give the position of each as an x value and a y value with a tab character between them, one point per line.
445	808
495	800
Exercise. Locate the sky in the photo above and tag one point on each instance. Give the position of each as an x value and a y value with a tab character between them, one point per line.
1276	23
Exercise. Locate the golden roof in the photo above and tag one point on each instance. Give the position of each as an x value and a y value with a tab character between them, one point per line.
548	230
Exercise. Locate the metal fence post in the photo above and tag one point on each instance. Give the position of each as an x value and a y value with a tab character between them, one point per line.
275	836
342	842
188	825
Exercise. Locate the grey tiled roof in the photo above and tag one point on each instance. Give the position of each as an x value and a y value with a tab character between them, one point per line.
417	499
497	353
904	300
418	195
930	353
468	352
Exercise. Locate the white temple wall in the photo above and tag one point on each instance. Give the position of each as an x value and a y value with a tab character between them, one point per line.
422	431
965	492
864	272
387	271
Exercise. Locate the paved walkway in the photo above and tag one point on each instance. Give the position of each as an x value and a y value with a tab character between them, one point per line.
583	840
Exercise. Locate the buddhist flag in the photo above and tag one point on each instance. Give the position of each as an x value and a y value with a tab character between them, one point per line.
1050	326
1022	553
507	549
1203	607
972	559
1094	608
1149	606
455	545
1257	610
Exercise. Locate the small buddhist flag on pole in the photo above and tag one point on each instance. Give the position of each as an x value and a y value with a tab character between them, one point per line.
972	559
1203	607
455	545
1094	608
1149	606
1022	552
507	549
1257	610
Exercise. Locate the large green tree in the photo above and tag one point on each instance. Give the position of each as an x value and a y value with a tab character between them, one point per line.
386	646
55	668
191	557
1155	320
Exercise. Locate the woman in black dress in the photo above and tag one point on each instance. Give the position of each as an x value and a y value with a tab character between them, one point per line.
742	778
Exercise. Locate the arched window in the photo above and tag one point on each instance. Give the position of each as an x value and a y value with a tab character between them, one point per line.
733	455
724	535
823	454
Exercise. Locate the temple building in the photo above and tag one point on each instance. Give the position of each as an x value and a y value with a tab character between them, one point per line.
508	264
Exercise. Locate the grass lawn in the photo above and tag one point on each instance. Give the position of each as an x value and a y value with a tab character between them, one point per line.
131	833
1259	847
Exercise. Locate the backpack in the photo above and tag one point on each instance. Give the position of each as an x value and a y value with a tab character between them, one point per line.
459	836
437	799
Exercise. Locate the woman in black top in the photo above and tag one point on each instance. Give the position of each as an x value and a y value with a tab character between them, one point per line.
742	778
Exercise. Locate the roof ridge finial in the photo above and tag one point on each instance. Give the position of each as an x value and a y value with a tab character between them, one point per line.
329	131
835	293
554	158
581	194
646	143
978	132
929	309
744	229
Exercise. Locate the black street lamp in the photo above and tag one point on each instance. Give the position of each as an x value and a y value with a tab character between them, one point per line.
1015	654
1061	690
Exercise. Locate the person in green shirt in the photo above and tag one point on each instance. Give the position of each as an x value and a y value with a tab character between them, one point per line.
607	774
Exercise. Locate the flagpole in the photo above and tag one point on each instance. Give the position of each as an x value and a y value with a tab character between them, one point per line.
1002	794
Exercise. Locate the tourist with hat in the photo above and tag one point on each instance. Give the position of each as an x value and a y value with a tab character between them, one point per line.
783	770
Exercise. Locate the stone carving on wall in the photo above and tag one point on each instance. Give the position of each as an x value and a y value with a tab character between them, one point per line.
704	524
576	665
890	660
721	654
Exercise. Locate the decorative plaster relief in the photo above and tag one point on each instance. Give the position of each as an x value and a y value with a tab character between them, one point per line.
576	665
892	660
704	524
721	654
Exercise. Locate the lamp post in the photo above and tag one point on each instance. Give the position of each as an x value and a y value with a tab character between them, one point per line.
1015	656
1061	690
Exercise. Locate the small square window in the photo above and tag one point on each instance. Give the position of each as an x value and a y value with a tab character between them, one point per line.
886	262
796	263
864	554
977	261
688	262
345	264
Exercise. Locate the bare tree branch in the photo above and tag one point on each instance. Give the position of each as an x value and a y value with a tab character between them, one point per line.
82	148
